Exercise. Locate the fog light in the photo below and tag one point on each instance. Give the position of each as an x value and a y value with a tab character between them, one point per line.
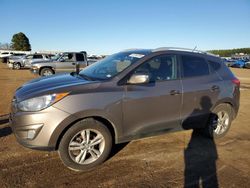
28	132
31	134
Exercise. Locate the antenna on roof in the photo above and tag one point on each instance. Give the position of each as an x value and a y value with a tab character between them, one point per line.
194	49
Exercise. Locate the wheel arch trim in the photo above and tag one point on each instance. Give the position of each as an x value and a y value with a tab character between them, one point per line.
71	120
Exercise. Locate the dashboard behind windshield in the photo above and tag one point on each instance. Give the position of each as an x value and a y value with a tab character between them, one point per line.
113	64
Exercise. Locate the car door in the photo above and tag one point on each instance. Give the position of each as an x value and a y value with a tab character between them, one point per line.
154	107
27	60
66	63
201	89
80	59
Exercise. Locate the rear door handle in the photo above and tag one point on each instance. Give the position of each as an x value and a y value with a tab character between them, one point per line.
73	63
215	88
174	92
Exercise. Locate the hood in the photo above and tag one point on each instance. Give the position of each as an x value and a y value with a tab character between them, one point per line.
49	85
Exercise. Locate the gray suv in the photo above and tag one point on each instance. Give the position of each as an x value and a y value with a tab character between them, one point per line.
26	60
126	96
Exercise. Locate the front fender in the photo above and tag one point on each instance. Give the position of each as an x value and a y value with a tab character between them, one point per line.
73	118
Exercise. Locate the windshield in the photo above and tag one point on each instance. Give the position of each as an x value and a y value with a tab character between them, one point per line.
112	65
56	57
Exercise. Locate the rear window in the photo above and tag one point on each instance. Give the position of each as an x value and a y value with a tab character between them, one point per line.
19	54
79	57
194	66
37	57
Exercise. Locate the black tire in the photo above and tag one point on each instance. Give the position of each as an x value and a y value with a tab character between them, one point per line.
46	72
211	130
68	137
16	66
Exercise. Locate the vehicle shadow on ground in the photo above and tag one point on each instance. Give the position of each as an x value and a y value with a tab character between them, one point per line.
201	154
3	121
117	148
200	162
5	131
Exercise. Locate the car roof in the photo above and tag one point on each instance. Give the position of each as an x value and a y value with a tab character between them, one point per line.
176	49
194	51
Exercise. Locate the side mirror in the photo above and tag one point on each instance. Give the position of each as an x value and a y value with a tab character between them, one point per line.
61	60
138	79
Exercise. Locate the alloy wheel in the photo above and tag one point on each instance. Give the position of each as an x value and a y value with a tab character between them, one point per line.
86	146
222	122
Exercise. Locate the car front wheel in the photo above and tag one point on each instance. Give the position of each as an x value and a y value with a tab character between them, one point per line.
85	145
17	66
46	72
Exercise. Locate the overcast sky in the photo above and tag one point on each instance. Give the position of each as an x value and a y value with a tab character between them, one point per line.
104	27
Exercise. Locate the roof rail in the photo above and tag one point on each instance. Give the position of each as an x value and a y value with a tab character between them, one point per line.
182	49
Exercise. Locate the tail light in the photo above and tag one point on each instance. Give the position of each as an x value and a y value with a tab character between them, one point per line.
236	81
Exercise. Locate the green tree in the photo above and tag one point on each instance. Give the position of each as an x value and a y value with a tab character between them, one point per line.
20	42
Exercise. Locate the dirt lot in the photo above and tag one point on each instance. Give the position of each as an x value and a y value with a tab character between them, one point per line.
171	160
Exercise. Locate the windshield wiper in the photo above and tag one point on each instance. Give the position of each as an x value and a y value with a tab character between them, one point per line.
86	77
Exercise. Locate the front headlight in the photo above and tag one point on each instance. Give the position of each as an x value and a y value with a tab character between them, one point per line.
40	103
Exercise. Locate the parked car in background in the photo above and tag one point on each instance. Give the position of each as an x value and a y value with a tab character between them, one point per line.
6	54
15	57
239	64
93	59
247	65
25	61
65	62
126	96
228	62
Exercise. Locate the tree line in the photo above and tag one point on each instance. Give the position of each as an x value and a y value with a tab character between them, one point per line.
230	52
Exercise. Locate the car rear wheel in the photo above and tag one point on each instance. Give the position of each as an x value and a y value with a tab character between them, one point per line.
220	121
85	145
46	72
17	66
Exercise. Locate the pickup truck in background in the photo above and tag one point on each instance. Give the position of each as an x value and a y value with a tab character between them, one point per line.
65	62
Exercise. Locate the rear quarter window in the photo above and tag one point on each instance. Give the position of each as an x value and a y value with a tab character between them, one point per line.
214	65
193	66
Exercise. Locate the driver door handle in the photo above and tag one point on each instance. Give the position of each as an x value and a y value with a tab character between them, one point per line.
215	88
175	92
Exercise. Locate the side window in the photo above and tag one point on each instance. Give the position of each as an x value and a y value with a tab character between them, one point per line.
159	68
194	66
37	56
79	57
67	57
29	57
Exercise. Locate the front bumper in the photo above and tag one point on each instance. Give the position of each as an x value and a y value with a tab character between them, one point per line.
35	129
10	65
